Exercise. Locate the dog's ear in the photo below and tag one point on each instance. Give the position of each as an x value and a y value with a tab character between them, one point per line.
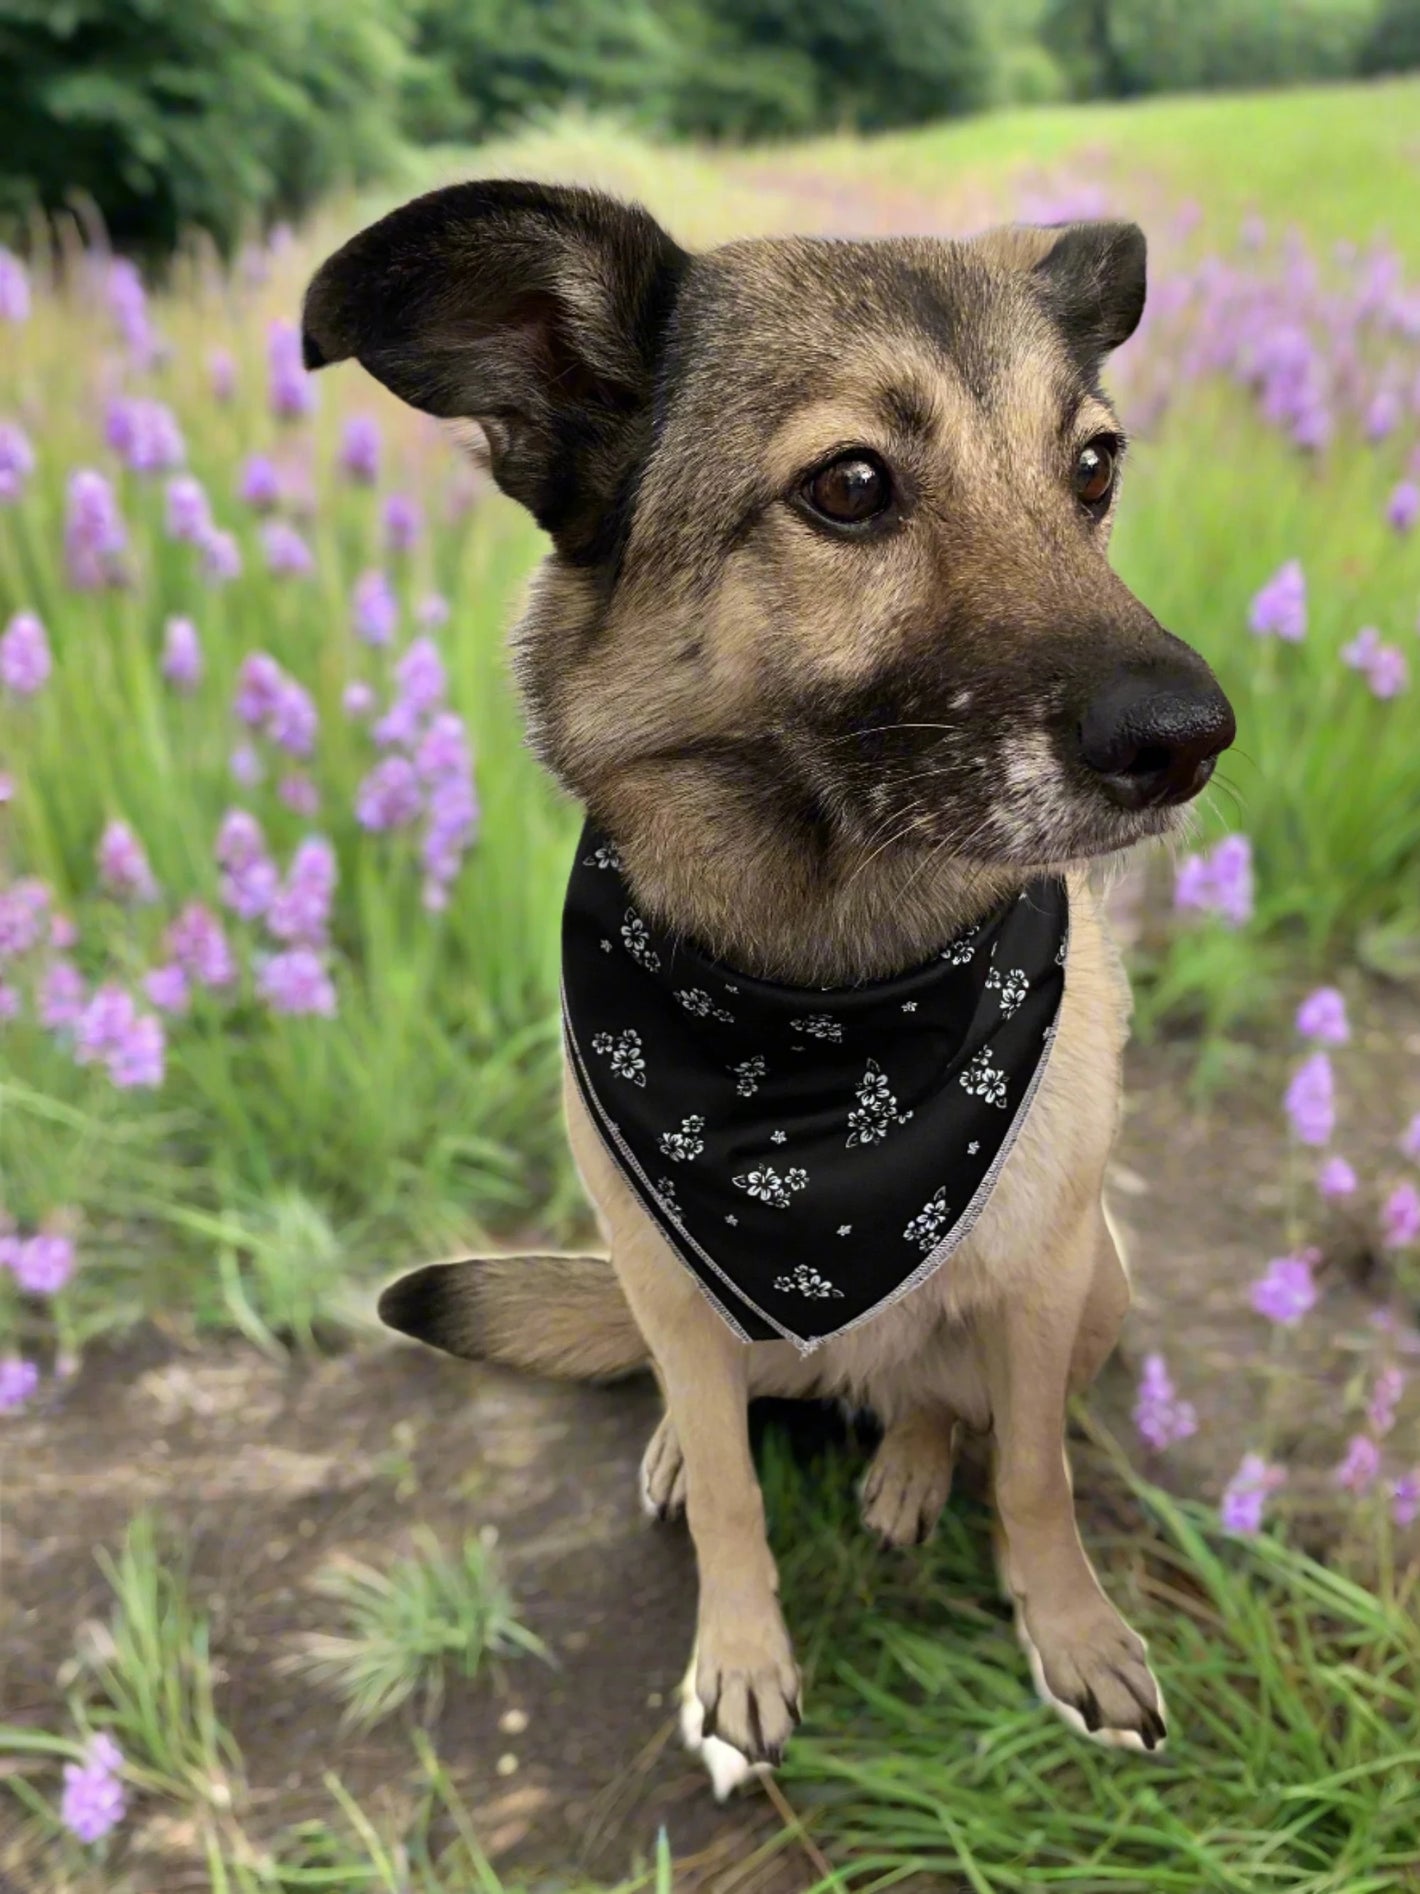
537	311
1095	279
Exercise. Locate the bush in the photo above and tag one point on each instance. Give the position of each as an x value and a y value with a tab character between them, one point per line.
1116	48
1394	42
212	113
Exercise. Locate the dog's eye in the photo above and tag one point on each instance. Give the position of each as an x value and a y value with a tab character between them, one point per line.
850	490
1094	472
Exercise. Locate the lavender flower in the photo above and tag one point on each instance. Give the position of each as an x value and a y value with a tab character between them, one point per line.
14	288
260	483
62	996
1247	1493
167	988
1279	610
1383	666
401	522
104	1024
290	389
259	681
11	1004
246	766
297	983
95	537
360	449
1383	414
432	611
390	795
420	684
145	435
1310	1101
197	943
1403	507
1410	1140
18	1381
1218	882
44	1264
287	554
1322	1016
1400	1217
222	375
25	662
374	608
294	721
1159	1415
300	910
1285	1291
358	699
298	792
1359	1466
221	558
249	880
124	871
189	515
17	461
23	908
182	654
1385	1397
128	305
1336	1179
139	1060
1405	1499
93	1803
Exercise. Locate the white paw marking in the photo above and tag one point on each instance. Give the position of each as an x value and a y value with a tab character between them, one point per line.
1068	1714
728	1768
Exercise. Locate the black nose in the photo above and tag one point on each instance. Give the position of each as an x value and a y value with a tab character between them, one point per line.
1153	736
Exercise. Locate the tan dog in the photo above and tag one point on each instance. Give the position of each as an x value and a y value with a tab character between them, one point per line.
828	644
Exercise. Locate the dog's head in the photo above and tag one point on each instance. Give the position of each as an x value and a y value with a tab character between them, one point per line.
835	513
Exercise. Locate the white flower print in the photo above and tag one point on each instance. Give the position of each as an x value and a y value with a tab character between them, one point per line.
807	1282
732	1220
930	1224
984	1081
818	1026
1011	988
909	1006
845	1229
748	1074
973	1148
697	1001
770	1188
665	1189
962	949
605	855
606	946
624	1051
778	1137
681	1146
876	1111
1060	954
638	941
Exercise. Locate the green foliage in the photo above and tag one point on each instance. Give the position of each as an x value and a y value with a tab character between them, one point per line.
1394	43
212	113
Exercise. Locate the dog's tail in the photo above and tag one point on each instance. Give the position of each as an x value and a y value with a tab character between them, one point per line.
555	1315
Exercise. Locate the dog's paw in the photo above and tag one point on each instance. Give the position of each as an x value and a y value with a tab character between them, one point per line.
1094	1672
908	1484
729	1768
663	1474
747	1682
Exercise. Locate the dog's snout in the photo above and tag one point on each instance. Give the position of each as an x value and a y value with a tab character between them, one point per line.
1153	736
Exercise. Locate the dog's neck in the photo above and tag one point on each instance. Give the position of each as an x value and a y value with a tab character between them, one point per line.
741	866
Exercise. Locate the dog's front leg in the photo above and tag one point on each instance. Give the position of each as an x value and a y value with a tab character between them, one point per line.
745	1677
1086	1661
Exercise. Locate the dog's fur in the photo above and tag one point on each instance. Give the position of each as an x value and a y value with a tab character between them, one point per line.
820	754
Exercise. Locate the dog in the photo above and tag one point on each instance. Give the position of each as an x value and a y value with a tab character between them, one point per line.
828	645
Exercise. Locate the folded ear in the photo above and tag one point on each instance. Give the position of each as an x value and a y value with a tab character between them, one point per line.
537	311
1095	279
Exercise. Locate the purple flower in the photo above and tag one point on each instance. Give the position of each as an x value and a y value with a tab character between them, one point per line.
1383	414
1385	1395
17	461
297	791
189	514
443	753
260	483
420	685
23	910
1400	1217
14	288
167	988
182	654
103	1025
1359	1466
145	435
1310	1101
198	944
358	699
222	374
221	558
1336	1179
1279	610
432	611
300	910
1322	1016
44	1264
1159	1415
1410	1140
1218	882
1247	1493
139	1059
390	795
287	554
360	449
1403	507
259	681
123	865
1382	665
453	822
18	1381
297	983
94	534
401	521
246	766
25	663
290	389
1405	1499
249	880
127	300
374	608
62	932
1285	1291
10	1002
293	722
62	996
93	1803
239	840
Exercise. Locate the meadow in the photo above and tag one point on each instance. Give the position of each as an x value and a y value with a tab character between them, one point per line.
279	891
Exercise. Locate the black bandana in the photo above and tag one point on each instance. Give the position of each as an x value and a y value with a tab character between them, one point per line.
809	1154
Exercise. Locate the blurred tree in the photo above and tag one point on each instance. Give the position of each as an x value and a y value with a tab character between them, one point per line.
214	113
1115	48
1394	42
